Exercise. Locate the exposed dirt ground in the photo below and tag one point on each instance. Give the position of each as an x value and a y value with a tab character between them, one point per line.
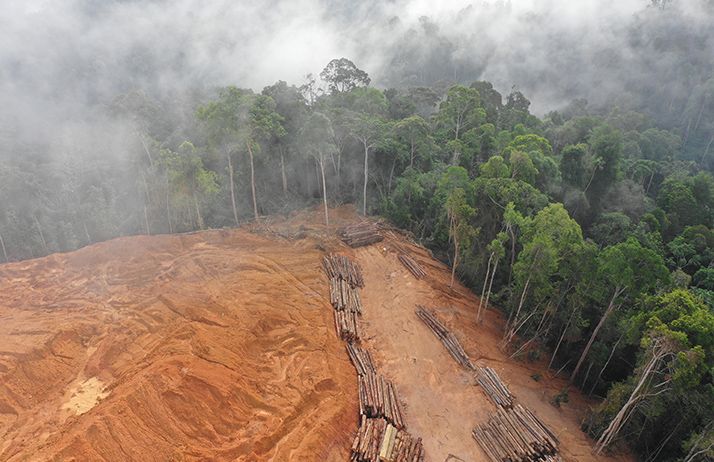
220	345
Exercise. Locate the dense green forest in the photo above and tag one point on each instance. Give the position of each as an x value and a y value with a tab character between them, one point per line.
590	228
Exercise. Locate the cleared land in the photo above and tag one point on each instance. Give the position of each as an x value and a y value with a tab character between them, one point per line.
221	345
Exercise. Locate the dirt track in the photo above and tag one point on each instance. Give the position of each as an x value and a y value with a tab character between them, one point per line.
220	345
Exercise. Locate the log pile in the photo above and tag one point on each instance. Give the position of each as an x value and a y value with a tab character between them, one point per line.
361	359
378	398
361	234
516	435
411	264
494	387
341	267
379	441
344	297
381	435
346	325
446	337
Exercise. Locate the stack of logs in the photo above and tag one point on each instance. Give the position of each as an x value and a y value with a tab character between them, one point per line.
346	325
494	387
344	297
361	359
379	441
345	278
516	435
361	234
341	267
411	264
446	337
381	436
378	398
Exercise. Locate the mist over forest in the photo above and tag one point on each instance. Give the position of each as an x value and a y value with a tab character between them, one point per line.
572	137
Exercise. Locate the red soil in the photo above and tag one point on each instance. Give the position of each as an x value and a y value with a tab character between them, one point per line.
220	345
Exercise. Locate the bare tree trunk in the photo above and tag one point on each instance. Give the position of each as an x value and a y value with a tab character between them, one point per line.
42	236
146	149
4	251
587	374
282	171
146	222
168	202
609	310
148	201
612	353
623	414
391	175
324	191
706	151
366	166
199	218
562	336
511	328
233	192
252	181
513	253
483	289
86	232
456	262
490	285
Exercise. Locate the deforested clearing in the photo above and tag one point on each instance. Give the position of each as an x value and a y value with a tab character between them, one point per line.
221	345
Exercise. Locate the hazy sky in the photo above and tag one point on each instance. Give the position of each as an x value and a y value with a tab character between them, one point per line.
65	59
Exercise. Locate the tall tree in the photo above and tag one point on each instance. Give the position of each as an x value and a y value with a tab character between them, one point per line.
461	233
624	269
316	140
342	76
458	113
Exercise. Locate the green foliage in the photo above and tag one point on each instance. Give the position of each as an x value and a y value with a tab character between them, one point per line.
495	167
342	75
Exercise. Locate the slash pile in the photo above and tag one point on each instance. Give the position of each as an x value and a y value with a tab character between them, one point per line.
378	398
446	337
411	264
494	387
516	435
377	440
361	234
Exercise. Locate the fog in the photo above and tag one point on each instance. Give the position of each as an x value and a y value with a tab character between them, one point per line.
64	64
60	56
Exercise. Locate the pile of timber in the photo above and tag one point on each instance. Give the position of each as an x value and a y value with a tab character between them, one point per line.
379	441
361	359
516	435
411	264
341	267
378	398
344	297
361	234
494	387
446	337
346	325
